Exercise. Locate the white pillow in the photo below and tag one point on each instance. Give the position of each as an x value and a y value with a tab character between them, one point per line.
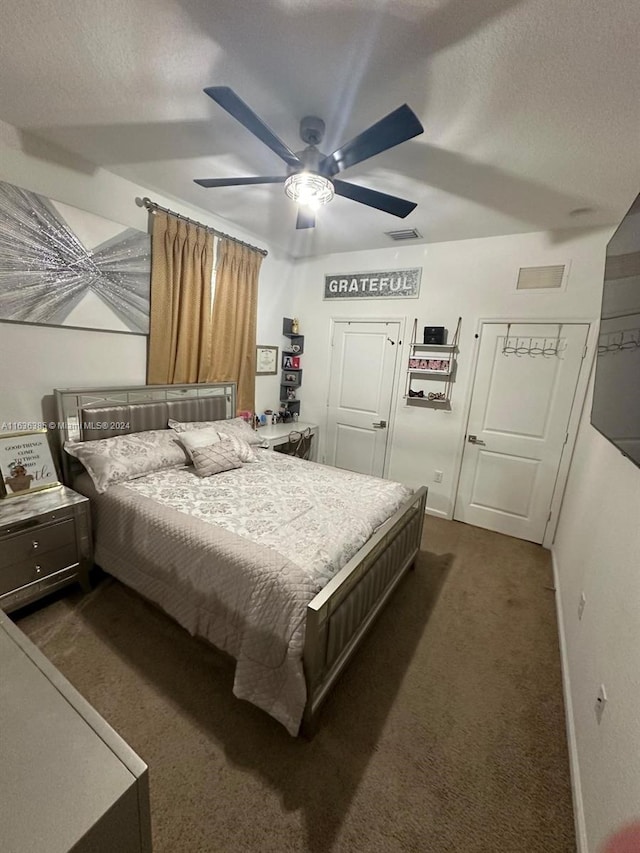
193	438
125	457
242	448
233	426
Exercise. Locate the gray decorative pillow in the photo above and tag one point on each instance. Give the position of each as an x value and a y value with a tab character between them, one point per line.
125	457
233	426
215	458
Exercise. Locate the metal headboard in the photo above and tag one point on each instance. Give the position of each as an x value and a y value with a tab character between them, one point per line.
88	414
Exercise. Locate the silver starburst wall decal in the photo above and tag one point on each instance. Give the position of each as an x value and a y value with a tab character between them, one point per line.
62	266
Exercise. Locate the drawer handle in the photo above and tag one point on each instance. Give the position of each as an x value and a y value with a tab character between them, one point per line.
35	544
38	569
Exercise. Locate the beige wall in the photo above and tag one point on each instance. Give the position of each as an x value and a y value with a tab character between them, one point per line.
474	279
597	551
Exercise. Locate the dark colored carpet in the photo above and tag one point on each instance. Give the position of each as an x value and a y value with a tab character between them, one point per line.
445	734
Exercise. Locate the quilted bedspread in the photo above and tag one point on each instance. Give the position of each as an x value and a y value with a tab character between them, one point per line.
236	558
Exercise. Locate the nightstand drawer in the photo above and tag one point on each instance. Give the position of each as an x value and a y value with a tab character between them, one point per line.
36	567
33	544
22	525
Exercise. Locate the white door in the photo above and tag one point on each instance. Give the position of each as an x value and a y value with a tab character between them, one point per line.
518	424
363	363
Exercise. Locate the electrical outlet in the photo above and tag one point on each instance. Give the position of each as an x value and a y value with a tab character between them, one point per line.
581	604
437	476
601	701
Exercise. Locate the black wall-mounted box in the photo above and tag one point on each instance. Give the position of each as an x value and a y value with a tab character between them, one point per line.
434	335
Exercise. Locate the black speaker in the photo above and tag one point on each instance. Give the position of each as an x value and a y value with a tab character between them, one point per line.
434	334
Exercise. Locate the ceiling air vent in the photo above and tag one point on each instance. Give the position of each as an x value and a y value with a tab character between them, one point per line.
540	278
406	234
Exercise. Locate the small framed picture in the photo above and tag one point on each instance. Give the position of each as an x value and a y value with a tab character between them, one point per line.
266	361
26	464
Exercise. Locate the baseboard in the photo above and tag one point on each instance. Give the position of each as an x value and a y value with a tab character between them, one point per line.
439	513
574	764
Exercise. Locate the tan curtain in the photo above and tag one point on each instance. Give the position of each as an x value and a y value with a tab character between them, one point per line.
180	314
235	309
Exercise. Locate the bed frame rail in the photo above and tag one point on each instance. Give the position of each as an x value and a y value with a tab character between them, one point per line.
339	617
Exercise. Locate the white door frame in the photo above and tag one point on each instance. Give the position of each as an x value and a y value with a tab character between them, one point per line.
574	418
396	373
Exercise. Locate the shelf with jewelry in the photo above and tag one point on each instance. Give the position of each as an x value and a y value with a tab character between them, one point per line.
433	359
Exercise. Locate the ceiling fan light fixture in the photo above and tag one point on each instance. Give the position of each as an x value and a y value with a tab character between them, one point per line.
309	189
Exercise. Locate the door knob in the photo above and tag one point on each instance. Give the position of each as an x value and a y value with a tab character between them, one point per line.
473	439
380	425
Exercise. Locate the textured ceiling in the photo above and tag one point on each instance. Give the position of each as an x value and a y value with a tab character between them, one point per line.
530	107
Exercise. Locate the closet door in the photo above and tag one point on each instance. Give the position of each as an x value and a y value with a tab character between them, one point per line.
363	367
524	389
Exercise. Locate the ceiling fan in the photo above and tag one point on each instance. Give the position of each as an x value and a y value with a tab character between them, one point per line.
310	180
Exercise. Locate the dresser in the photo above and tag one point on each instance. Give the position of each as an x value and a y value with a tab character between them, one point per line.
68	782
45	543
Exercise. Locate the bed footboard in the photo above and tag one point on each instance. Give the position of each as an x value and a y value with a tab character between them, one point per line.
340	615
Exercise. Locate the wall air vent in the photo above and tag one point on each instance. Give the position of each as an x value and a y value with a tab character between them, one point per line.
406	234
541	278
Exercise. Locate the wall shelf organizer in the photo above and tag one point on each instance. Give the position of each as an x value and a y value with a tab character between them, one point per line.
435	363
291	377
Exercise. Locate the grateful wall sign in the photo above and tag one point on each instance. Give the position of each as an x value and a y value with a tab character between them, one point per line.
386	284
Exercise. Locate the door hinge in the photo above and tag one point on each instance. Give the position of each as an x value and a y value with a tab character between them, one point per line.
584	351
549	517
566	439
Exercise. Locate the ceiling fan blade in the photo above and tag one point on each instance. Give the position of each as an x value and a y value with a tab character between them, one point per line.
397	127
388	203
306	218
238	182
235	106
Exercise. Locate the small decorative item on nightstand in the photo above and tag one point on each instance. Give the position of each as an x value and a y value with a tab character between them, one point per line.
26	464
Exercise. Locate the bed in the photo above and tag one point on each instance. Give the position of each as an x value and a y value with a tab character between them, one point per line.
281	562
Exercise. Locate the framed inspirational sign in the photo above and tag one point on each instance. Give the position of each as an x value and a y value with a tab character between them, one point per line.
387	284
25	463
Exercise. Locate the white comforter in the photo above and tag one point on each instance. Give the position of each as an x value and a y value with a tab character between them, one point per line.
237	557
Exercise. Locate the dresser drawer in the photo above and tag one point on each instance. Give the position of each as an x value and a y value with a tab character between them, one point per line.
36	567
33	544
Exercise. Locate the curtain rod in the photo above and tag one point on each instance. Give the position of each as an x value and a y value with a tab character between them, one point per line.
153	205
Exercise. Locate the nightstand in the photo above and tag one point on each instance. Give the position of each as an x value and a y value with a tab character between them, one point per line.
45	543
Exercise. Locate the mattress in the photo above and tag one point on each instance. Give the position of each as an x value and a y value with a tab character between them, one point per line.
235	558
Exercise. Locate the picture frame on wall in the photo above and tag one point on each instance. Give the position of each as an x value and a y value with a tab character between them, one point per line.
26	463
266	361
